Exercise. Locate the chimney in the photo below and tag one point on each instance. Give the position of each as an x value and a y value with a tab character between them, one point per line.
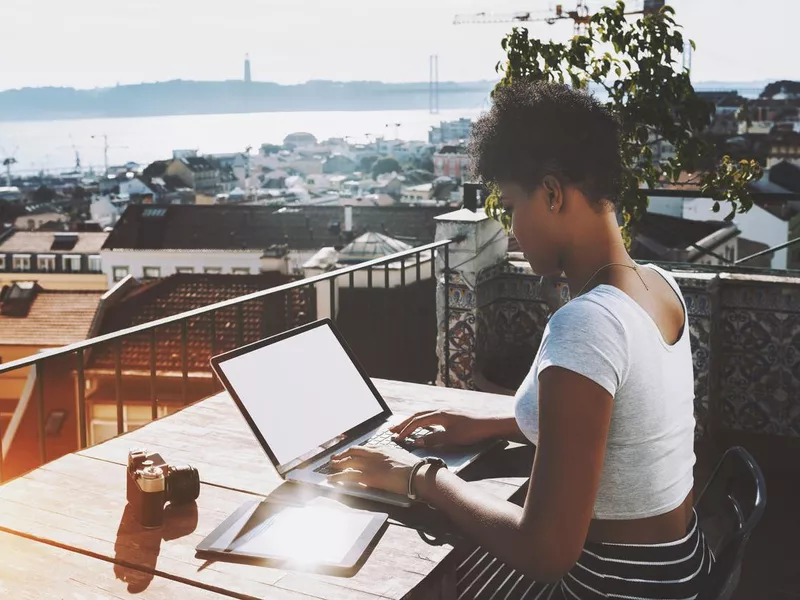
470	197
348	218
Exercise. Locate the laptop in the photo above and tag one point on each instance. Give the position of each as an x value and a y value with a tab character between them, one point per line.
306	397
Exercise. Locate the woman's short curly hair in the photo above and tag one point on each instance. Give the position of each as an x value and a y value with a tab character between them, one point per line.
539	129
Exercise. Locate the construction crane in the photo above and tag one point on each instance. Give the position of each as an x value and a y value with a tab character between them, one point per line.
106	148
74	148
580	15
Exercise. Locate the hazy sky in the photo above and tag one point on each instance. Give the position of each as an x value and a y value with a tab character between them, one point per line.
89	43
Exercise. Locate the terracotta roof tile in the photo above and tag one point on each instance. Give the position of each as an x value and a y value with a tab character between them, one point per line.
56	318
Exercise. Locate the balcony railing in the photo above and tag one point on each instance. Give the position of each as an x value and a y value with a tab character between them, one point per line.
411	259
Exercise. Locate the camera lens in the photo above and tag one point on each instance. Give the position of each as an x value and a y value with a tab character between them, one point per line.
183	484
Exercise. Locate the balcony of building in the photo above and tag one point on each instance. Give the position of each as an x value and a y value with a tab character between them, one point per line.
461	312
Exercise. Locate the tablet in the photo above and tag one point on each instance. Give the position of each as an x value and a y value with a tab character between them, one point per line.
313	536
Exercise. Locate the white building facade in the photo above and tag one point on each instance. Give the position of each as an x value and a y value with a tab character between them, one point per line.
756	224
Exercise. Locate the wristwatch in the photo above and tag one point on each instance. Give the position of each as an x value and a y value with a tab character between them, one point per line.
428	460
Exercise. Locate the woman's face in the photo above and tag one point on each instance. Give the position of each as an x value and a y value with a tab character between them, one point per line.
534	226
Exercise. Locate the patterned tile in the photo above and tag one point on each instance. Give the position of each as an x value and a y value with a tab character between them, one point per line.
461	339
698	303
761	370
461	297
700	340
509	334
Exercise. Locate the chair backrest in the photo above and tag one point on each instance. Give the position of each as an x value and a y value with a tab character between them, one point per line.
728	509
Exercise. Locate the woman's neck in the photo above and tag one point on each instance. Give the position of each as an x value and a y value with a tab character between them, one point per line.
592	252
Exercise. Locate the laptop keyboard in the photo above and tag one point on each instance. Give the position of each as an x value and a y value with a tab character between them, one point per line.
326	469
382	438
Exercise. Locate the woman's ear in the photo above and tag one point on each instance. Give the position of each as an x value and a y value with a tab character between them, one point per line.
554	191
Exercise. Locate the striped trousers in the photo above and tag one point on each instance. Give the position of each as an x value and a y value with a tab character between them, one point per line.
671	571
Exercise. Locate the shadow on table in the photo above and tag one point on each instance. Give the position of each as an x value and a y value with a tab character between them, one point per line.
136	549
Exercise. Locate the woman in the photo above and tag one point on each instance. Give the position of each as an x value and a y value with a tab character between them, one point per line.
608	401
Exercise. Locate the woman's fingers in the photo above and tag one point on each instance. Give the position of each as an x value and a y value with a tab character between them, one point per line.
434	418
346	476
404	423
342	463
431	440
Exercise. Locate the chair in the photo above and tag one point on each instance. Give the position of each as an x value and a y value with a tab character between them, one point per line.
728	509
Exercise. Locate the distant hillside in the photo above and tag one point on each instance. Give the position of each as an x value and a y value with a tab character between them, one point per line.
221	97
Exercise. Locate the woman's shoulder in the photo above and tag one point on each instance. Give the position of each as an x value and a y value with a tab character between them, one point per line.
596	319
600	304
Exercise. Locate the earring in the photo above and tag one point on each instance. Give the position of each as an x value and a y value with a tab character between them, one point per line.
551	207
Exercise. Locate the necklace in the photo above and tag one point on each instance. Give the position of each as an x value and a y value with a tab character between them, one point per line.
634	266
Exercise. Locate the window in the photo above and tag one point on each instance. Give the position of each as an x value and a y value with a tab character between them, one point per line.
184	269
71	263
103	419
95	266
212	270
240	271
154	212
2	262
46	263
22	262
152	272
120	273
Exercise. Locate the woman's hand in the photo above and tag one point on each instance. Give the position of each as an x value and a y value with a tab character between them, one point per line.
384	469
456	429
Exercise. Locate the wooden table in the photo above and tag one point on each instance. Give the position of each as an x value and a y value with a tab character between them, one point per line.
70	534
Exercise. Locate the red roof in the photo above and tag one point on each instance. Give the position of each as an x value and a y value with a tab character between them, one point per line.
183	292
56	318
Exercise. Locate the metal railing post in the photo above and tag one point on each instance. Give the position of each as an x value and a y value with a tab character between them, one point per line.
239	325
153	398
118	385
446	288
82	426
332	299
184	362
40	410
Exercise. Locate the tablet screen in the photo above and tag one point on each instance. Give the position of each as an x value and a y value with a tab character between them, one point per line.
306	534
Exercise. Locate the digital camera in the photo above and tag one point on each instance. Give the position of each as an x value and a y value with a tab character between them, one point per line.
151	483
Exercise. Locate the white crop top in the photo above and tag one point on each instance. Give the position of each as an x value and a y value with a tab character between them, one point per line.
609	338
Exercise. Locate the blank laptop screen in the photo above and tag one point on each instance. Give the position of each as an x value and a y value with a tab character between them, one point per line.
301	392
